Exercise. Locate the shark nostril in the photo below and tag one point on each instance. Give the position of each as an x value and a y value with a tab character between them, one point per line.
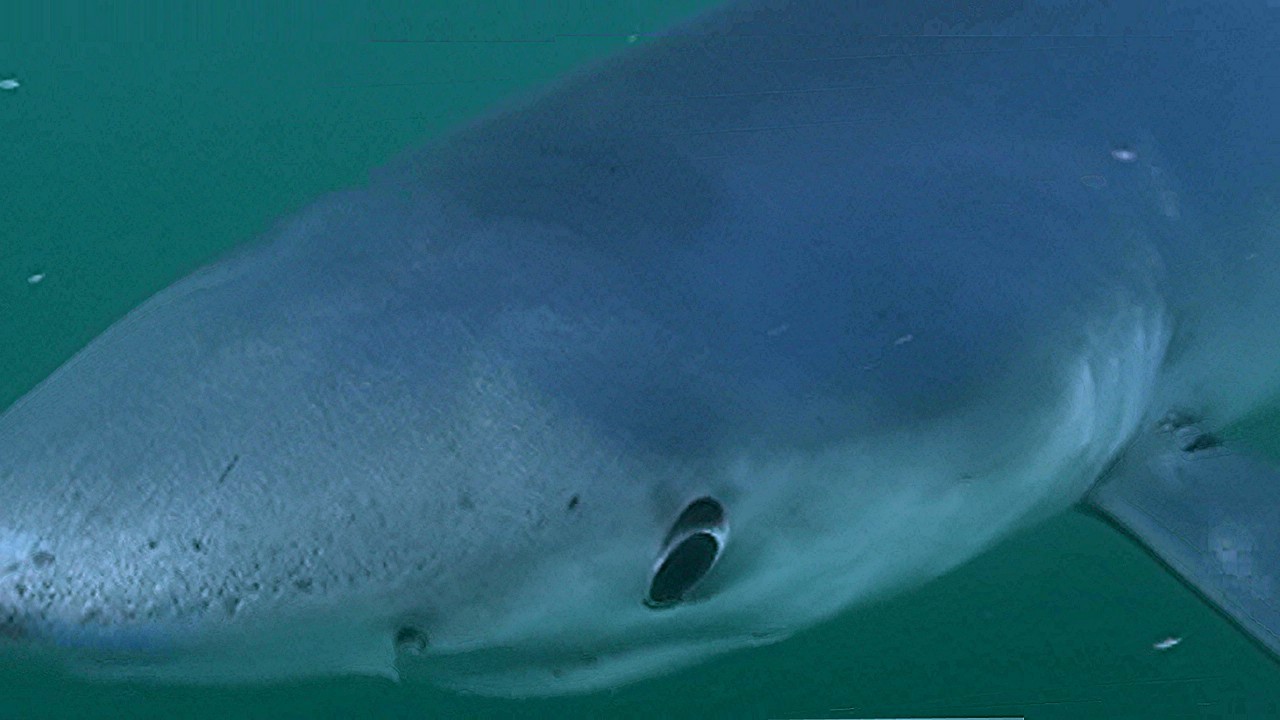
411	640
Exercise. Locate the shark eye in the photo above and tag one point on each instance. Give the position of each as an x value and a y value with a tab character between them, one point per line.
689	552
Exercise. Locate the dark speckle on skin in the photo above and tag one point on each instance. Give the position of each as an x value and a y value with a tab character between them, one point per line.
573	502
42	559
465	502
9	627
153	544
197	545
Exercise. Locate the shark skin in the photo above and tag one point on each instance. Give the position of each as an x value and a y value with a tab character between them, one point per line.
793	308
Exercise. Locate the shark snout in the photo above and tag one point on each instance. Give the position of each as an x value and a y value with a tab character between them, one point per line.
29	628
40	609
17	559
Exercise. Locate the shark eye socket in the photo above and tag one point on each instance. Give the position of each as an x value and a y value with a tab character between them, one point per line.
682	568
690	551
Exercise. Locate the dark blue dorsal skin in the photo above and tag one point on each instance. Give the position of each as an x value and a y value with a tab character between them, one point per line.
846	178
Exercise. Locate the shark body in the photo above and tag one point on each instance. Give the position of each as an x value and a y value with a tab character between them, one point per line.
789	310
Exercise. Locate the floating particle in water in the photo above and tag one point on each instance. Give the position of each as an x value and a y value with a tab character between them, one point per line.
904	339
35	279
9	84
1124	155
632	38
1167	643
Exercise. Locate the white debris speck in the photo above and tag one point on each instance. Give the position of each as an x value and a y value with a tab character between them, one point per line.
9	84
904	340
775	332
632	38
1124	155
35	279
1167	643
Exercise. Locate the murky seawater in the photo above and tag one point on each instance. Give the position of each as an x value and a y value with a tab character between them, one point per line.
136	145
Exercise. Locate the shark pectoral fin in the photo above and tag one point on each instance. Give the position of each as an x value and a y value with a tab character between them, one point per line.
1209	513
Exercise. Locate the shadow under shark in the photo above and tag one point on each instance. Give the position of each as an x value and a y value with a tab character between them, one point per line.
792	308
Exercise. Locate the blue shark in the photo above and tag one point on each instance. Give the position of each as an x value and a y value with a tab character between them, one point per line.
797	306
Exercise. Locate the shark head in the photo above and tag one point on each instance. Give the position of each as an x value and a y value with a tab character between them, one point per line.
269	471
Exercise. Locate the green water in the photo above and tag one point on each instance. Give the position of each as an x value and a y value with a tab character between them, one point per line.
144	142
